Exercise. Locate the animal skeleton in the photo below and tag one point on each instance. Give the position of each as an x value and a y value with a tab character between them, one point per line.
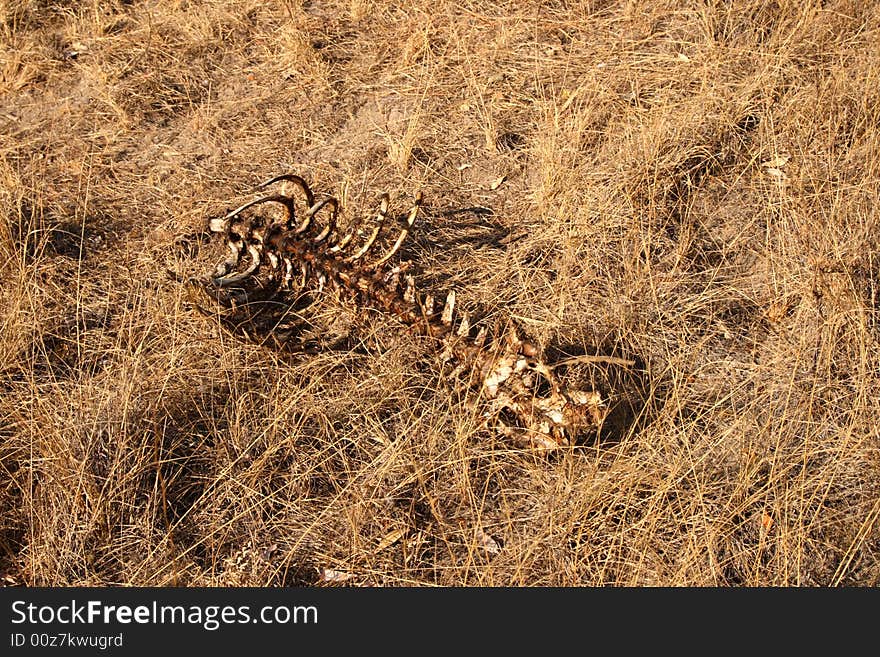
271	260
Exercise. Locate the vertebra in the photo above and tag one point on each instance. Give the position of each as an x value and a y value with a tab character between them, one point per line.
268	260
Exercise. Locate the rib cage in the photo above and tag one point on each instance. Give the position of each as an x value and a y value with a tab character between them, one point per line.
285	259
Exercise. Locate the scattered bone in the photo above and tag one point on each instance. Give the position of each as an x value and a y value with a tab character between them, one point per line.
332	576
218	224
480	340
409	294
448	308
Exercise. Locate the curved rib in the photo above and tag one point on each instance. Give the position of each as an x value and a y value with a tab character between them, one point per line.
331	224
288	273
380	218
410	219
286	201
299	182
236	246
226	281
341	244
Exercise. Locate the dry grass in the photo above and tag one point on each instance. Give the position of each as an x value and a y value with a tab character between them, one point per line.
694	185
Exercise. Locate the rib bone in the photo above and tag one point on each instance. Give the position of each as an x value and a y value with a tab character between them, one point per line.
410	219
380	219
507	367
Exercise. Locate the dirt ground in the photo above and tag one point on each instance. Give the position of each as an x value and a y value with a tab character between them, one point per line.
692	186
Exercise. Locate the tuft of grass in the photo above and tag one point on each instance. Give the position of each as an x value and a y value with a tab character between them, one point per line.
692	187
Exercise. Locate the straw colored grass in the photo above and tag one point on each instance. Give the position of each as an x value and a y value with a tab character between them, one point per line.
694	186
